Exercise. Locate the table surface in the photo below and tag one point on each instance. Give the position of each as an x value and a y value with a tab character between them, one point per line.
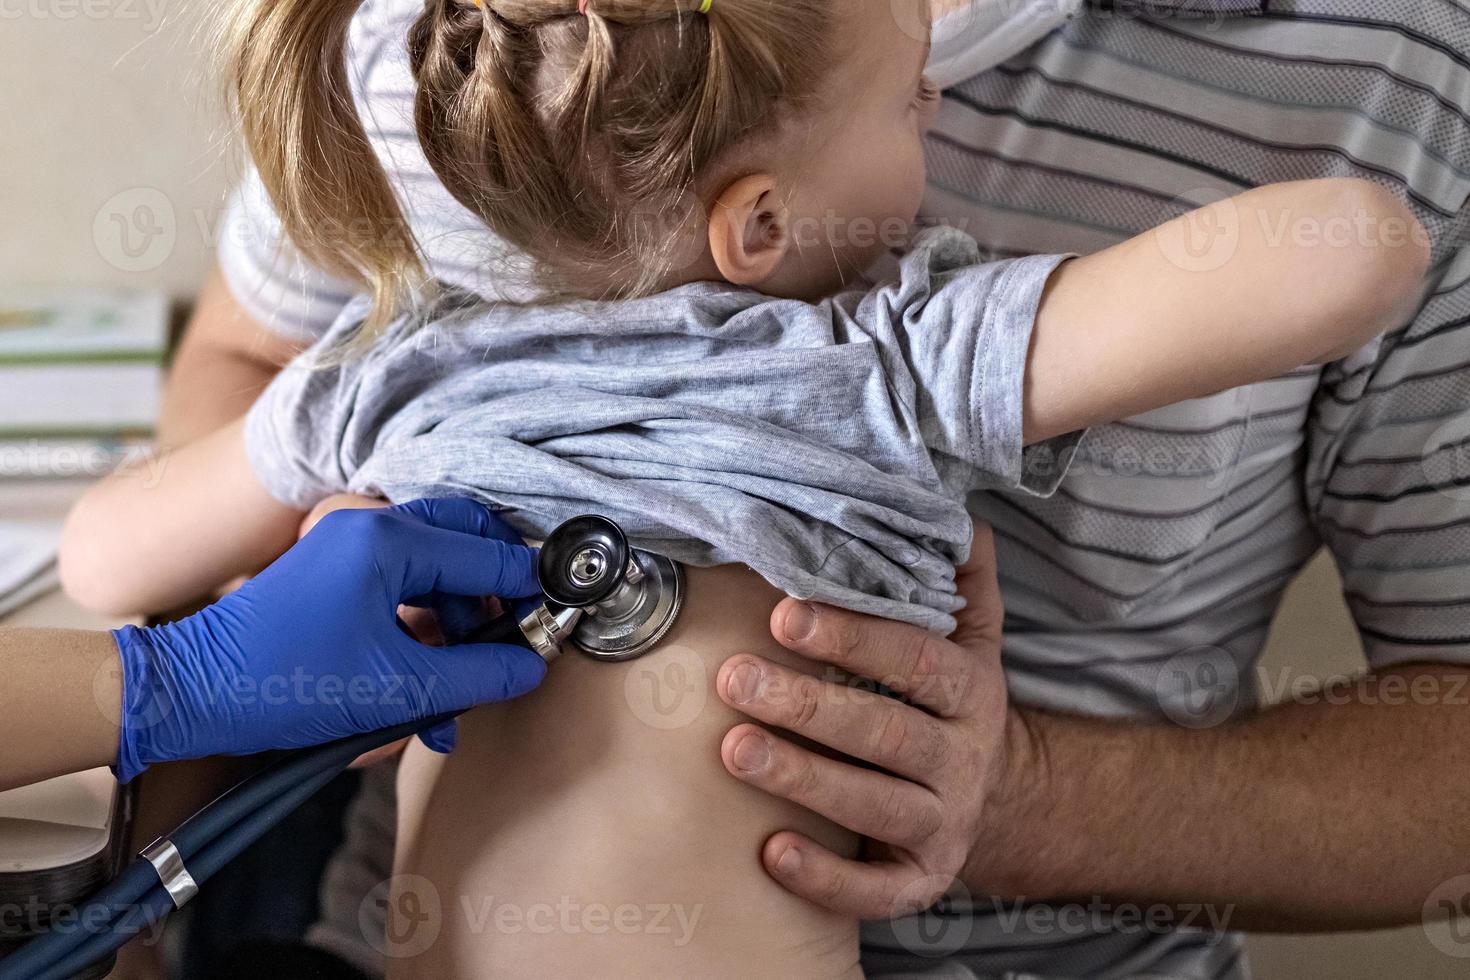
49	500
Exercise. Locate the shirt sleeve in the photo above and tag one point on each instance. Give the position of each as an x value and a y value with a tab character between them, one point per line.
963	330
268	276
299	433
1388	481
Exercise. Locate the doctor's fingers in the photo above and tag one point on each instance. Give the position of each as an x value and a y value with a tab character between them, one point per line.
430	560
463	514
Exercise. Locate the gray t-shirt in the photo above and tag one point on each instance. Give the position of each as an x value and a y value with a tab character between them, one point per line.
828	446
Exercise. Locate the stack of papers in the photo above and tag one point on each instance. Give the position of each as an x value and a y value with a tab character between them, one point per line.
27	561
81	372
81	375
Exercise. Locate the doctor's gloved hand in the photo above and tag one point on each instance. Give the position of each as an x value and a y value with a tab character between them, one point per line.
311	650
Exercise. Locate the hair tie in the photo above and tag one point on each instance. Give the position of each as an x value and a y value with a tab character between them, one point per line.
582	7
704	6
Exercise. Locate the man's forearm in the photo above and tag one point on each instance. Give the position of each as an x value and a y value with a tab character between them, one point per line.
1340	814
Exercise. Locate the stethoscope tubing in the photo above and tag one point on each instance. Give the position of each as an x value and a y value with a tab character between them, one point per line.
207	841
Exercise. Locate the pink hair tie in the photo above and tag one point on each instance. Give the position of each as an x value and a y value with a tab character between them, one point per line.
582	7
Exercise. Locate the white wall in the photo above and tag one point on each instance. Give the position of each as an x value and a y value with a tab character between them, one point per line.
108	121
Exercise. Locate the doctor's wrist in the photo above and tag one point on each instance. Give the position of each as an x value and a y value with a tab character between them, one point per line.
142	696
176	700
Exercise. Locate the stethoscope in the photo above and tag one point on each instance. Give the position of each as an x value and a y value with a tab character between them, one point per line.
601	597
608	600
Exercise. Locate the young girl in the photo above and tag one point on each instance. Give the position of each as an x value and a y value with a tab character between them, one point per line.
690	188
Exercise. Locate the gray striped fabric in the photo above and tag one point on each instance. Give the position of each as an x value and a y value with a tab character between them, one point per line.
1145	587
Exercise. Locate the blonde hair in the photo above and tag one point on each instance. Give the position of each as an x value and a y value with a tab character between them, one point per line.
571	136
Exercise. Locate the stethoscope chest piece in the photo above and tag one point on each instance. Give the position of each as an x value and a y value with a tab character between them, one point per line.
629	599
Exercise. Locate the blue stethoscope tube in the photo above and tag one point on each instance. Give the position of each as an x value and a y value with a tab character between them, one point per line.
207	841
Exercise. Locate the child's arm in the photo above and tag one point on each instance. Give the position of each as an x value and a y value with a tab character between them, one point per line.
1281	276
166	531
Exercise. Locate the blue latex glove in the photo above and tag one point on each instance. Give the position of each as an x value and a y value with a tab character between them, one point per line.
311	650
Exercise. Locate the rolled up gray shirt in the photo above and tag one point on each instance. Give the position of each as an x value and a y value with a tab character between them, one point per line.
828	446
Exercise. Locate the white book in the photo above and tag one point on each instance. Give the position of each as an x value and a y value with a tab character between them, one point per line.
46	400
80	362
56	323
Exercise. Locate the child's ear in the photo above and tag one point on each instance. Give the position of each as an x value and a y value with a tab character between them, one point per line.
749	230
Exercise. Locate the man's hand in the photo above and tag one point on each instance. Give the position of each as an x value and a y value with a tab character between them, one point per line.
937	758
1287	831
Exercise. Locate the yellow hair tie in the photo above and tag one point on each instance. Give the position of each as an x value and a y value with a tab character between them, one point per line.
704	6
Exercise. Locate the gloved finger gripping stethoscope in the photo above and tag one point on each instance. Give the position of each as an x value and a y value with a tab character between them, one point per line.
601	596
